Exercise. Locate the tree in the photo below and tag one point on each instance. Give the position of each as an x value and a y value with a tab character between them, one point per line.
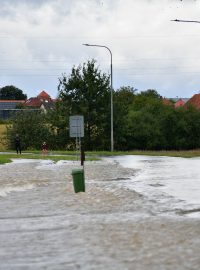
144	131
123	100
58	122
32	128
87	92
150	93
11	92
152	125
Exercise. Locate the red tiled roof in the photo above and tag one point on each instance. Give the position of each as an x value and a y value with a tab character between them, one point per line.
43	94
33	102
179	103
39	100
194	101
166	101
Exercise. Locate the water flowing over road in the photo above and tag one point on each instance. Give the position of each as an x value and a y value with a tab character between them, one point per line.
137	213
167	178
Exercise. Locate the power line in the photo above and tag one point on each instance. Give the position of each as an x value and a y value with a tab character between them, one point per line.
29	75
56	38
186	21
178	73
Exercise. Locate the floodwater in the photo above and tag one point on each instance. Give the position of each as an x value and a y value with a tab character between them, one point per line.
167	178
137	213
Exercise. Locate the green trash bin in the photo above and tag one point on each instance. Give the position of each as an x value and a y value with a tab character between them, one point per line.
78	180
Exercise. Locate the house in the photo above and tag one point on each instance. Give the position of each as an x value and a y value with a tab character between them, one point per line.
43	101
179	103
166	101
194	101
7	107
10	104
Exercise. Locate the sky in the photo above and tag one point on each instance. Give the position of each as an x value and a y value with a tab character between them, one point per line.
42	39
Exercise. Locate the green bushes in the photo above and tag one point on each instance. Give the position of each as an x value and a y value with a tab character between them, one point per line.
141	121
31	127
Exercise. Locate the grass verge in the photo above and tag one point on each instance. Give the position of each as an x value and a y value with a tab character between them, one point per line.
95	155
184	154
7	157
4	160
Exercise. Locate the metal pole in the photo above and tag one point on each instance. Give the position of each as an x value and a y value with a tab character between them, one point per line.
111	91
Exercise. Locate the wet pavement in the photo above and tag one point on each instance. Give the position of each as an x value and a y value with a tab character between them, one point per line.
122	221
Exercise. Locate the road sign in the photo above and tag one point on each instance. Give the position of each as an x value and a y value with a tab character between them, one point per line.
76	126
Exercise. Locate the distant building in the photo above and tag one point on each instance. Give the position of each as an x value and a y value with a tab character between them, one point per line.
177	99
43	101
179	103
194	101
10	104
7	107
166	101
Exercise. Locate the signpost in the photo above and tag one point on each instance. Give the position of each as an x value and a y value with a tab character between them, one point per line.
76	129
76	123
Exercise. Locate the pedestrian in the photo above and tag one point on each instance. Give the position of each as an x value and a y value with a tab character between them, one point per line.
44	148
18	144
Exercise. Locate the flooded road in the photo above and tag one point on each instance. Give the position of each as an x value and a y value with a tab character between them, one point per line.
167	178
130	217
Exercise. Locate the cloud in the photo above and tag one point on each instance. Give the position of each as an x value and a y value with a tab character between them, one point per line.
40	40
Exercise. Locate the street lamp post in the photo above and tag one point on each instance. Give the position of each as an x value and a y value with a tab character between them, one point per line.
111	90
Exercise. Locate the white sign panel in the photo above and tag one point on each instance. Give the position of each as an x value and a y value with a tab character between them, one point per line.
76	126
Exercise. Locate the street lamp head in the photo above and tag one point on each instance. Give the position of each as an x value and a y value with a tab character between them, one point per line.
85	44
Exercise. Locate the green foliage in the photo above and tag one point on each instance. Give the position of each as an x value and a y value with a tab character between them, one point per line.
58	121
123	99
11	92
150	93
4	121
4	159
86	92
155	126
141	120
32	129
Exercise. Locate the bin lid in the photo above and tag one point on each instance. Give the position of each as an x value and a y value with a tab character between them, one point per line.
77	171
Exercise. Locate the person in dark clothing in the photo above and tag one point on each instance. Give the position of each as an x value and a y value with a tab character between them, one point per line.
18	144
44	148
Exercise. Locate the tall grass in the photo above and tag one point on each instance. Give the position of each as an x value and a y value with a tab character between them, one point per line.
3	142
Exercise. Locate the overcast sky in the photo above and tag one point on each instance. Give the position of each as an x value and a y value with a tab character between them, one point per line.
42	39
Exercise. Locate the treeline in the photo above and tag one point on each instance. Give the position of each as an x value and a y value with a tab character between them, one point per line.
11	92
141	120
151	125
